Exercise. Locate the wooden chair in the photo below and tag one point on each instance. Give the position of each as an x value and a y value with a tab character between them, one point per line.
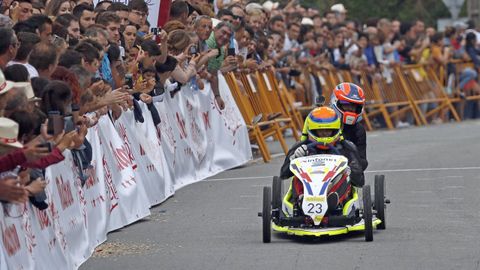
254	131
423	87
286	99
261	129
460	97
271	97
262	105
395	101
374	103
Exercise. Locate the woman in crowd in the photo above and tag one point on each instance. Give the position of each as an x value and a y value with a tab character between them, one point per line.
58	7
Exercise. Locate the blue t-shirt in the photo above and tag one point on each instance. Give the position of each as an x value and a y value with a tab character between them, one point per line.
370	54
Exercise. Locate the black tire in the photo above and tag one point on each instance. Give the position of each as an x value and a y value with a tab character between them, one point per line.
267	214
277	193
380	200
367	213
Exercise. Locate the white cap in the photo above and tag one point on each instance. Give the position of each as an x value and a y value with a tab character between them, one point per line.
26	87
5	85
269	5
338	8
9	133
252	6
460	25
306	21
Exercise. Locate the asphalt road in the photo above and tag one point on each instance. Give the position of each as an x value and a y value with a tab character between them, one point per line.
433	221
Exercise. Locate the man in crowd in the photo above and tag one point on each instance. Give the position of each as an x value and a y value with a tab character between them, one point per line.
27	42
138	12
85	16
8	46
111	22
44	59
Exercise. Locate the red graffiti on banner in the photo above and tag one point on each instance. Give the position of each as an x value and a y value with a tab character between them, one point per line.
123	135
159	135
110	186
181	126
65	192
142	151
82	199
123	156
166	130
206	120
29	235
92	175
43	218
97	200
231	119
130	182
59	234
188	151
150	167
10	239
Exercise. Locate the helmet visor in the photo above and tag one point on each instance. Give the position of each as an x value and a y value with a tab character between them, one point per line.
350	107
324	133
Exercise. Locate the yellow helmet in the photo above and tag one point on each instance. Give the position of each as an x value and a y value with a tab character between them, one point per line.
323	125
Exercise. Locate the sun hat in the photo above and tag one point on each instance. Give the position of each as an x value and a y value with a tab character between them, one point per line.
9	133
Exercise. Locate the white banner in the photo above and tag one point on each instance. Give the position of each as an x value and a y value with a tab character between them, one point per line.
134	166
153	9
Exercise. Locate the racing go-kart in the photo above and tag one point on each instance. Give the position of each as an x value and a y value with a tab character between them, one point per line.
320	211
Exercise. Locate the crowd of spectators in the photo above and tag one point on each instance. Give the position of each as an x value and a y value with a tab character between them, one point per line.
65	63
298	42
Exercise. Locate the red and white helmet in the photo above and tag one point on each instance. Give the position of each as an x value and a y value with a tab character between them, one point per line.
343	97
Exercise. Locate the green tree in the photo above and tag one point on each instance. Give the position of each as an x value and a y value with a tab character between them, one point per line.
405	10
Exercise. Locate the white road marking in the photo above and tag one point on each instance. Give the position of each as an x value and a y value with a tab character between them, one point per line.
248	196
439	177
418	205
454	199
421	191
426	179
451	187
238	178
426	169
374	171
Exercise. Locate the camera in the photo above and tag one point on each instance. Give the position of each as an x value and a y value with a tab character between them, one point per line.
129	80
69	125
193	50
55	123
47	145
155	30
294	72
231	51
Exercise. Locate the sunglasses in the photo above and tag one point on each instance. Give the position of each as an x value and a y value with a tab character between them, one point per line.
235	17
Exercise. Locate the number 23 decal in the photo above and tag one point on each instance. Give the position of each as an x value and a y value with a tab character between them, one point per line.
314	208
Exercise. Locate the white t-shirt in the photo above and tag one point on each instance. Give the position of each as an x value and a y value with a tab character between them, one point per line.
476	33
31	70
289	44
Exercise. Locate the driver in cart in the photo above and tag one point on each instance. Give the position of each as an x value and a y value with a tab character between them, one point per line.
323	127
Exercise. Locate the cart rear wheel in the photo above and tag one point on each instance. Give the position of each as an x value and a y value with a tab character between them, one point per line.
367	213
267	214
277	193
380	200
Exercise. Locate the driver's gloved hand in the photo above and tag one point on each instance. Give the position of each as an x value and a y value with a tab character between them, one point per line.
301	151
